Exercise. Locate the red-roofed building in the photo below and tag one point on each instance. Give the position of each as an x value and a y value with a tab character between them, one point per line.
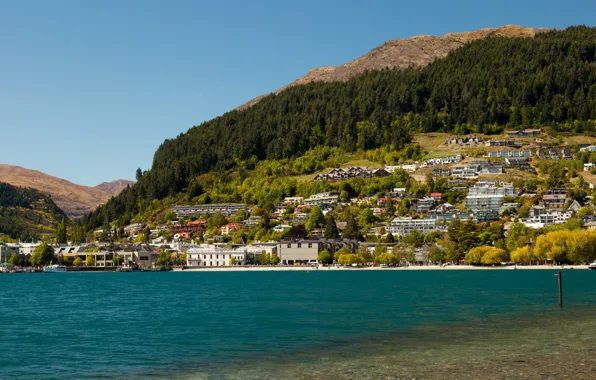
436	196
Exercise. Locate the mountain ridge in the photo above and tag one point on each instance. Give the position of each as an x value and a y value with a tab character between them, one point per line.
74	199
415	51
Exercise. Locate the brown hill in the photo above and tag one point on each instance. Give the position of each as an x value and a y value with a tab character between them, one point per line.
114	187
404	52
75	200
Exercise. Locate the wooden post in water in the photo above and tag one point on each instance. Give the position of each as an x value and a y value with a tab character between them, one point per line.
560	290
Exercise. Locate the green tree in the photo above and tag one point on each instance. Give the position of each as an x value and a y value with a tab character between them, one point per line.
351	230
14	259
274	259
495	256
325	257
265	259
60	233
218	220
367	218
43	255
77	262
315	218
390	238
233	261
90	260
331	231
139	174
164	258
436	255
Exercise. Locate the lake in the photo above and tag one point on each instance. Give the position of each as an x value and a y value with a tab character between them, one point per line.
291	325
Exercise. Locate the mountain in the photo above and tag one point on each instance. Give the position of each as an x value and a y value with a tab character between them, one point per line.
417	51
27	214
114	187
74	199
485	86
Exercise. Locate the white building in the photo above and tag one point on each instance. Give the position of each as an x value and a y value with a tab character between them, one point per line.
214	256
408	168
323	200
405	225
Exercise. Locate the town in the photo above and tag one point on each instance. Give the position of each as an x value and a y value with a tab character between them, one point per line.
424	222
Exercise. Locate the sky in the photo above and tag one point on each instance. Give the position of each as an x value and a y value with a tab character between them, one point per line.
90	89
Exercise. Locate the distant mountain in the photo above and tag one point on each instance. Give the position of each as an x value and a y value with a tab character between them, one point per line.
27	214
417	51
114	187
75	200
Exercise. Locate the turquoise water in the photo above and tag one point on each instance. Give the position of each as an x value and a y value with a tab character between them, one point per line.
319	324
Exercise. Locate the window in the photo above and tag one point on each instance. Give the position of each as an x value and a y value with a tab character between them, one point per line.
309	245
299	245
289	245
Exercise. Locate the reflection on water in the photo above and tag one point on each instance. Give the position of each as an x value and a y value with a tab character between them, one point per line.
557	344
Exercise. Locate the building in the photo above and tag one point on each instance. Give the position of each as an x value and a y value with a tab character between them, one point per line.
492	169
215	256
436	196
589	166
323	200
230	228
510	154
554	198
423	204
227	209
554	155
191	227
405	225
524	133
464	141
486	197
501	143
468	171
541	216
300	251
566	153
293	200
408	168
440	172
134	228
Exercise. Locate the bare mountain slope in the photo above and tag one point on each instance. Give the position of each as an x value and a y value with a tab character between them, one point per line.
404	52
114	187
75	200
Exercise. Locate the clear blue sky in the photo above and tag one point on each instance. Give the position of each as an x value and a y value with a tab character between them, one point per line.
89	89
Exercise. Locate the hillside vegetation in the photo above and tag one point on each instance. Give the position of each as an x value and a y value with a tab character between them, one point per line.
27	214
486	86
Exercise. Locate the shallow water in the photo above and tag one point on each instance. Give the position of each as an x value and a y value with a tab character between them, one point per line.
344	324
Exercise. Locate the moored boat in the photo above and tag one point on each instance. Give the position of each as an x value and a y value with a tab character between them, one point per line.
592	266
55	268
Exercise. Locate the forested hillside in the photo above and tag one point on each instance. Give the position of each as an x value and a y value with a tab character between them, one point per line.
485	86
26	214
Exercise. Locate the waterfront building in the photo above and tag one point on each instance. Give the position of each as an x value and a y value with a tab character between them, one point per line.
215	256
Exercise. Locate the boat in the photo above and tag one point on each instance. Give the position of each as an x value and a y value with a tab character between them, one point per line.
54	268
592	266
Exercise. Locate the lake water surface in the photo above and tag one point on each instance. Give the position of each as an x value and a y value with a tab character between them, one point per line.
293	325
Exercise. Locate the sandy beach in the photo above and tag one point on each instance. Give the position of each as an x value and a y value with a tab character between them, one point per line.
422	267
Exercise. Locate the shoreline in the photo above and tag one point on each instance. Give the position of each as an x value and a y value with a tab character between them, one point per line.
410	268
